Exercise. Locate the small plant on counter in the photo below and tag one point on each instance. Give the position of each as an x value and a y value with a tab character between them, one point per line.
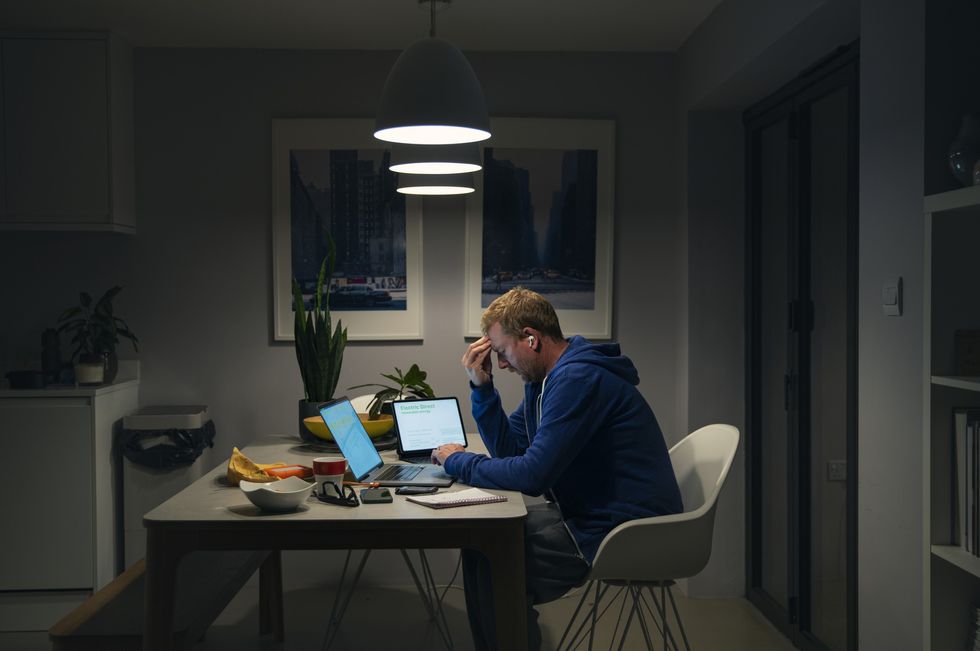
411	383
93	328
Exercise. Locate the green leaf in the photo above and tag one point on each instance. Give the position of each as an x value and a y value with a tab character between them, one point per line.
319	286
414	375
372	384
300	315
395	378
109	295
69	313
338	343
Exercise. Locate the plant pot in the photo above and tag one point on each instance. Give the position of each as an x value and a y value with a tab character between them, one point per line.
25	379
306	409
111	365
90	372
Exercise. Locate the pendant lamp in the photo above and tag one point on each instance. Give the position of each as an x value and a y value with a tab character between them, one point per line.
432	96
435	159
435	184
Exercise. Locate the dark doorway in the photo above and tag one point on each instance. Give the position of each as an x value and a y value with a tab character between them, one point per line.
802	354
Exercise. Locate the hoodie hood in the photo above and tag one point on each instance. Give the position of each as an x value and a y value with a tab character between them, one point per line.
607	356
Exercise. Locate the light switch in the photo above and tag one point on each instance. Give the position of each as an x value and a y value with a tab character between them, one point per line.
891	297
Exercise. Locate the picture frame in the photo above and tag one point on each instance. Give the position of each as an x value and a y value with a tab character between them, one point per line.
529	159
388	266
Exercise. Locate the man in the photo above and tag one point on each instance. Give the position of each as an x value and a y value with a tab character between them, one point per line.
583	434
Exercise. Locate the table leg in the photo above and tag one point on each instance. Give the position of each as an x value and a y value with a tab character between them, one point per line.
163	553
504	549
270	596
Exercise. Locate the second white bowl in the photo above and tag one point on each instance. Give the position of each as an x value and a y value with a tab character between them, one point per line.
283	495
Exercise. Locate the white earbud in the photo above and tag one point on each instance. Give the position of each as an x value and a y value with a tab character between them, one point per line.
530	341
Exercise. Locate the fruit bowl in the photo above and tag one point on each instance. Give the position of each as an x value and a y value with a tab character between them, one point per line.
375	428
283	495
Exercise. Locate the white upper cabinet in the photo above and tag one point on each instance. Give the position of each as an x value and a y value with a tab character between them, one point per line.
67	137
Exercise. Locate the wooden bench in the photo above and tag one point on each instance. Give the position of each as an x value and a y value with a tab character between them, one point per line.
112	618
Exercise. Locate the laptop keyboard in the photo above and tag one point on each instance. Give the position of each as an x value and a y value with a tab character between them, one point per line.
398	473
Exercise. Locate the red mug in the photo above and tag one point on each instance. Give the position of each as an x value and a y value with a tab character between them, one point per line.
329	470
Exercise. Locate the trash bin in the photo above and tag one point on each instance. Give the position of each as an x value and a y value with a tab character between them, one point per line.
161	450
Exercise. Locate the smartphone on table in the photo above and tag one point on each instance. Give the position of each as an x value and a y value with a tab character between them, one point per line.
416	490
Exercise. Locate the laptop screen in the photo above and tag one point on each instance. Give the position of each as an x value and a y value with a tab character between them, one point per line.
353	441
426	424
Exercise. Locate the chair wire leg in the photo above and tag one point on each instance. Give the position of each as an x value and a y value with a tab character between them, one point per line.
677	616
440	615
594	618
585	594
341	601
663	614
626	629
423	593
637	594
619	618
655	615
579	635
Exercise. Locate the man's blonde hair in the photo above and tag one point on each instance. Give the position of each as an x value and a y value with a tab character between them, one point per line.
522	308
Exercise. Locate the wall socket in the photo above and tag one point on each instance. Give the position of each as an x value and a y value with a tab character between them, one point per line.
837	470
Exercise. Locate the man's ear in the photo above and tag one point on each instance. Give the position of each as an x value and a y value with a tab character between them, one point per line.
533	338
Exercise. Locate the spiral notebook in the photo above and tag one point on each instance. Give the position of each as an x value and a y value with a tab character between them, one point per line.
464	497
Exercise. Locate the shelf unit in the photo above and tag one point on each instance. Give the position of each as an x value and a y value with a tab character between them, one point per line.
951	302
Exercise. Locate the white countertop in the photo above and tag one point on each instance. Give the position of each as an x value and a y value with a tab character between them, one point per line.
69	390
127	377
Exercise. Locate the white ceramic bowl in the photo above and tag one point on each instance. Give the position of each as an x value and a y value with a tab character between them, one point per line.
283	495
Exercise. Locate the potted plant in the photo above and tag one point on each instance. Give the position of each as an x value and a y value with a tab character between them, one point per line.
411	384
95	330
319	352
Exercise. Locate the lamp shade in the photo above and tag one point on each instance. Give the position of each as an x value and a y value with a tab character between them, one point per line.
432	97
435	159
435	184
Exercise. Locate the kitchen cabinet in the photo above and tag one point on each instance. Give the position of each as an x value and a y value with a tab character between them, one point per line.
60	517
67	133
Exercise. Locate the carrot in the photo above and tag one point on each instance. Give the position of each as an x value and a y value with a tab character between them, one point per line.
290	471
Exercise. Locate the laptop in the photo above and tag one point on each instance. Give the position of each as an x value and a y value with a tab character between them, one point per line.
423	425
363	459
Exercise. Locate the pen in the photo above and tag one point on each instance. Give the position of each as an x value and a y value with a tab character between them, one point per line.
368	484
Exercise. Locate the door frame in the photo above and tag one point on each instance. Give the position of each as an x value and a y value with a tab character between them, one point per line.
837	70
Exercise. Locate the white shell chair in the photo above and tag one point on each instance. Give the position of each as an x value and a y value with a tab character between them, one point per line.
654	552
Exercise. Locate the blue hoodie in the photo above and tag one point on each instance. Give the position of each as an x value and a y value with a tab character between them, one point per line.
598	446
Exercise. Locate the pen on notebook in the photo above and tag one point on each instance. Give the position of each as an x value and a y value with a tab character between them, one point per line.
368	484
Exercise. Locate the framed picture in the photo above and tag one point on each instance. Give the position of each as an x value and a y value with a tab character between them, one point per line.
542	218
331	177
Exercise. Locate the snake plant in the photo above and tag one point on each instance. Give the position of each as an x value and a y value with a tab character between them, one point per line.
319	352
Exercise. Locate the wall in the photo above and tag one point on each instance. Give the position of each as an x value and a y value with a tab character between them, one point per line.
197	273
716	260
890	555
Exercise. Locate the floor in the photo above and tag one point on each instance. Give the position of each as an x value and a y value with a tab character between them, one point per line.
379	616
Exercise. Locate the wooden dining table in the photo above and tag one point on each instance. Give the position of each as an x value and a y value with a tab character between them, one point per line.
211	514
